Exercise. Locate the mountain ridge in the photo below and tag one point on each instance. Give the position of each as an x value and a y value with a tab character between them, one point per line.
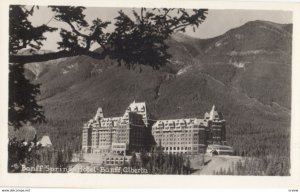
246	78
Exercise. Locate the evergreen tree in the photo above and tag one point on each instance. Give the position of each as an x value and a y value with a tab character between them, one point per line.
133	161
134	41
137	40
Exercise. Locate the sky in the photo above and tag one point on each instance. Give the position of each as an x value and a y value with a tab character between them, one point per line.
216	23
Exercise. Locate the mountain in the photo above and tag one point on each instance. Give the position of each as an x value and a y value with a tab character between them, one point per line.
245	72
255	58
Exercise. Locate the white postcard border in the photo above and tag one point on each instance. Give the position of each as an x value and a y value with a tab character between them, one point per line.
72	180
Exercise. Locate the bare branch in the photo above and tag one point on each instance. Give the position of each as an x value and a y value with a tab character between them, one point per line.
180	27
75	30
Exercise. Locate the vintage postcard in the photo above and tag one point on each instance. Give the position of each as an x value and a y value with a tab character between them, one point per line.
133	94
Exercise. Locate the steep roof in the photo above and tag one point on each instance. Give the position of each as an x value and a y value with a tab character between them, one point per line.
45	141
175	122
99	114
137	107
213	114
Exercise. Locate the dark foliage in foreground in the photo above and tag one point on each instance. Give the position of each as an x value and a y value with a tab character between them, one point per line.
31	157
138	41
161	163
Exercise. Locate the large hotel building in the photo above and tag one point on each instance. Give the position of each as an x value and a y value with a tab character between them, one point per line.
134	132
119	135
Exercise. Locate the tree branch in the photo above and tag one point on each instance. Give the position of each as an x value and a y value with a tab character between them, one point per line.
22	59
179	27
142	15
76	31
166	13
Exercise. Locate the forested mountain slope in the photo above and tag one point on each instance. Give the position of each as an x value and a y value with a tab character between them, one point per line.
245	72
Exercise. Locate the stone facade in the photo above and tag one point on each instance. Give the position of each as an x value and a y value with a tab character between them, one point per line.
118	135
190	135
134	131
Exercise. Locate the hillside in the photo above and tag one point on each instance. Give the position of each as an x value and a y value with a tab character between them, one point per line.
245	72
216	163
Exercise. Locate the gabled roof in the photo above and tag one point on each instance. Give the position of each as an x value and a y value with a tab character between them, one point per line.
110	121
137	107
175	122
206	115
45	141
213	114
99	114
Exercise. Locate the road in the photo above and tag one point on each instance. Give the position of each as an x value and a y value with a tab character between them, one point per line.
215	163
